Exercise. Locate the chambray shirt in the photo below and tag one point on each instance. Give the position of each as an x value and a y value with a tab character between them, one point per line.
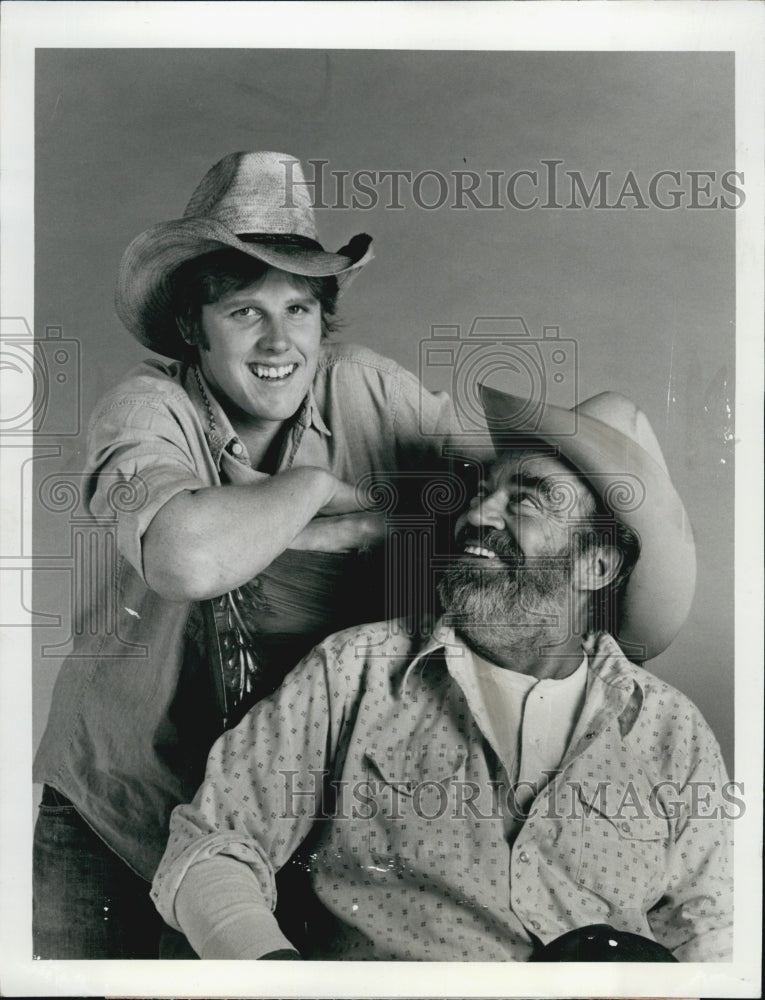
132	716
374	762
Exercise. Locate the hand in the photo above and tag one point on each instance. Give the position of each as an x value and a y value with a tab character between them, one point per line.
342	533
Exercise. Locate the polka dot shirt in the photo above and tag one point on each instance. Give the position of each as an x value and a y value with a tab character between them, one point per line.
368	781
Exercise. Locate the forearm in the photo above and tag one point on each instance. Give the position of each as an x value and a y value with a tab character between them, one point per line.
205	543
341	533
219	908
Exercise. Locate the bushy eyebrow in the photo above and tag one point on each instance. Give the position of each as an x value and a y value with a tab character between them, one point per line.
524	480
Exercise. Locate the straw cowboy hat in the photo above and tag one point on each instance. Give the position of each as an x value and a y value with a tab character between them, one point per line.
257	203
610	441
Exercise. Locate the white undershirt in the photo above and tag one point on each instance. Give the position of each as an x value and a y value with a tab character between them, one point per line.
531	720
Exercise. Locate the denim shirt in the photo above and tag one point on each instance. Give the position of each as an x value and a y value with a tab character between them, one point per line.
131	720
373	768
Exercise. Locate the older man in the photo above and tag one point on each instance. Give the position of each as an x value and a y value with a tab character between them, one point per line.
515	779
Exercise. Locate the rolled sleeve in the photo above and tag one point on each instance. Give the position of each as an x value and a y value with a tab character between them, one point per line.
188	847
139	458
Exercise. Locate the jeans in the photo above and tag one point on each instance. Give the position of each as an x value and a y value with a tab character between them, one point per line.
87	902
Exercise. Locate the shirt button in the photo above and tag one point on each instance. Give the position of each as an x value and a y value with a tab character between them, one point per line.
536	925
524	857
237	448
625	827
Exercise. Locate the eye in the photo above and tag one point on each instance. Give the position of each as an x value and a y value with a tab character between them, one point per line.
244	311
527	500
300	309
480	494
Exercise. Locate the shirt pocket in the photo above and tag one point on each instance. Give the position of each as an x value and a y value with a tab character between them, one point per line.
623	845
413	795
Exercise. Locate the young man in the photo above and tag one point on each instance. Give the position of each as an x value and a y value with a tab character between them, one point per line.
515	779
238	460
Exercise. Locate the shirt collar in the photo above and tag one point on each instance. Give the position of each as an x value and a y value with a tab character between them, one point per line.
309	415
222	436
443	639
605	659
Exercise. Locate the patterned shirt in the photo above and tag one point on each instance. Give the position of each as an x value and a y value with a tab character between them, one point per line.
373	768
132	717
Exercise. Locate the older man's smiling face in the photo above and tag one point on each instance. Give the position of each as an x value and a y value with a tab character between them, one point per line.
512	565
525	509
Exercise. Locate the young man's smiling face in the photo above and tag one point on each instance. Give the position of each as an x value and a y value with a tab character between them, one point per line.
263	349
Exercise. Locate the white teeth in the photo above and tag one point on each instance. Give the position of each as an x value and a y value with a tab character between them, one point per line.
267	372
479	550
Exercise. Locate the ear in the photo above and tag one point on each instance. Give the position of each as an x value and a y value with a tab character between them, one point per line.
186	330
597	567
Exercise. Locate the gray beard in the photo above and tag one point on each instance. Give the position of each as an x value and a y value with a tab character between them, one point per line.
503	607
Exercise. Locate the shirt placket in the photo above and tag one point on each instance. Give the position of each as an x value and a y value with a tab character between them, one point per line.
600	713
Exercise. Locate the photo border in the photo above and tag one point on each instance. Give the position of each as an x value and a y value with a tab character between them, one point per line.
548	25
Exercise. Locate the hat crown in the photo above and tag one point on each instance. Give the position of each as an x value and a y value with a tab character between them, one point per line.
258	192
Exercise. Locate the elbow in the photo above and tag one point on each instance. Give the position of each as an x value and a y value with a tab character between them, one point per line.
191	576
174	587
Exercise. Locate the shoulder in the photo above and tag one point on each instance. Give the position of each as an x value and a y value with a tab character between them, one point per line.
337	360
666	706
152	383
357	658
395	395
388	638
669	728
675	717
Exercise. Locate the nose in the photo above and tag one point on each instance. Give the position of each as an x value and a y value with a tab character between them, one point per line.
274	338
487	512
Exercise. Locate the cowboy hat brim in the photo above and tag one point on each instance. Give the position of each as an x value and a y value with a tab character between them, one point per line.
637	489
143	281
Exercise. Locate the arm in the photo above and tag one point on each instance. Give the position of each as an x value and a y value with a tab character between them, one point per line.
694	918
342	533
216	881
218	906
203	543
187	538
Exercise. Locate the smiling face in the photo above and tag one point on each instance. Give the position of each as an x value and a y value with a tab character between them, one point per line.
511	581
525	510
262	349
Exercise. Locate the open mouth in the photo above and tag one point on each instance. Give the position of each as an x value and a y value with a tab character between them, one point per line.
479	550
491	546
273	373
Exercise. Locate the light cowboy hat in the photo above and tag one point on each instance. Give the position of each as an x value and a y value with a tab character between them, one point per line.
257	203
610	441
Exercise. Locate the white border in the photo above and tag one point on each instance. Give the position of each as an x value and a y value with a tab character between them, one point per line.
594	26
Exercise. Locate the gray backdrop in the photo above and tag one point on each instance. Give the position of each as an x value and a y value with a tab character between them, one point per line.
646	294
